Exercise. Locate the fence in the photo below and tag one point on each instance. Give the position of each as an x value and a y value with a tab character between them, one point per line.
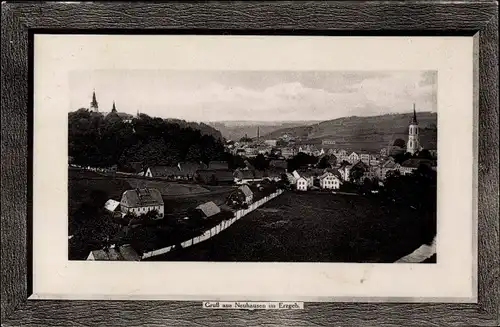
217	229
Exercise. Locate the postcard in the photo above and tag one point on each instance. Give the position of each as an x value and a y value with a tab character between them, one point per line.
253	168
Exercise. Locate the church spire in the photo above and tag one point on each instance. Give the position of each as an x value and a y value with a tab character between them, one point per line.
94	105
114	107
414	119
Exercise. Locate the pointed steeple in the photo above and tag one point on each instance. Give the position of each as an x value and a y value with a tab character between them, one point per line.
94	105
414	119
114	107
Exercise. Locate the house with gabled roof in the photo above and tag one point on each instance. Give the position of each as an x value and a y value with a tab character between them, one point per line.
208	209
162	172
215	177
141	201
329	181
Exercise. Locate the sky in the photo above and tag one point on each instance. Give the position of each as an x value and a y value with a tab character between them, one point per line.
255	95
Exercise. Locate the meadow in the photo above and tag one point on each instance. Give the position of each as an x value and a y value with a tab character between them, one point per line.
318	227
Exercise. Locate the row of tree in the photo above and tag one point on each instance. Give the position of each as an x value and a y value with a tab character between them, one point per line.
100	141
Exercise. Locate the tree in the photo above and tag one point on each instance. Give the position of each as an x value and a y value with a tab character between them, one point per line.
399	143
301	160
328	161
194	153
260	162
424	154
98	141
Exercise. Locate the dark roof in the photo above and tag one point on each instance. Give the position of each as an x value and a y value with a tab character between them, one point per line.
306	173
142	197
209	209
390	163
164	171
122	253
334	172
360	164
221	175
415	162
278	163
218	165
190	168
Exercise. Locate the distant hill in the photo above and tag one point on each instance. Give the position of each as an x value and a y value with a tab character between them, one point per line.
235	130
364	133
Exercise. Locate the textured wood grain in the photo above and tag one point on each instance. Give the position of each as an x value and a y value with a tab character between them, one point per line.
488	148
216	18
14	160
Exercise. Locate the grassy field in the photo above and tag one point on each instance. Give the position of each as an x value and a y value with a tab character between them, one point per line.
317	227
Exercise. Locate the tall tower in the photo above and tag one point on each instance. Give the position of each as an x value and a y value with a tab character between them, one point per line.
94	106
114	107
413	143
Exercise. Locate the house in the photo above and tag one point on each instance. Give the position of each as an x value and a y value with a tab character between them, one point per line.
251	151
365	157
384	152
288	152
409	166
122	253
218	165
353	158
329	181
302	184
187	170
112	206
274	174
278	163
208	209
344	169
169	172
141	201
214	177
328	142
386	166
308	175
271	143
247	176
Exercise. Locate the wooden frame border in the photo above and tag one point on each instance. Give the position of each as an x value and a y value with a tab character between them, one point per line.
21	20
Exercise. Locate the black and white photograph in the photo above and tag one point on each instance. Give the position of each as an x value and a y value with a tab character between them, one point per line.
253	166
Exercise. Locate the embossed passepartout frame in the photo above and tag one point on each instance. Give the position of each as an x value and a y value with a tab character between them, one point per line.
21	20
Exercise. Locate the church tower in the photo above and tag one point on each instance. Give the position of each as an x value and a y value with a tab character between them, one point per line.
413	143
114	107
94	106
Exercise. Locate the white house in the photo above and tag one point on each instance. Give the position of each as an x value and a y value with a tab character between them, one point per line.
353	158
329	181
302	184
344	171
141	201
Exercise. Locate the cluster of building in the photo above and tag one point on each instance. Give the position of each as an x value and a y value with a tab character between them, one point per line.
138	202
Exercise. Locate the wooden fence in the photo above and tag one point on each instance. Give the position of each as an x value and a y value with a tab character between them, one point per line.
217	229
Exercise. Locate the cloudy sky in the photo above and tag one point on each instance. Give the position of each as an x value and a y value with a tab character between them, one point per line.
256	96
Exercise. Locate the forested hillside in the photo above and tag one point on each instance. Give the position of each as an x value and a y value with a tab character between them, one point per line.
96	140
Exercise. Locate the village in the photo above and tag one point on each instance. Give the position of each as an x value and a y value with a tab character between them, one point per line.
143	223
